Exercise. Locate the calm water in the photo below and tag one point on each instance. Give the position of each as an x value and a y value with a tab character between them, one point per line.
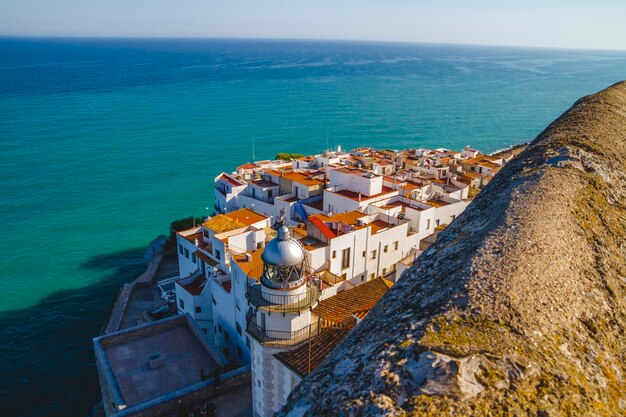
105	142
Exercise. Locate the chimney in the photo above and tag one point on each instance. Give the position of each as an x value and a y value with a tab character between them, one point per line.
248	257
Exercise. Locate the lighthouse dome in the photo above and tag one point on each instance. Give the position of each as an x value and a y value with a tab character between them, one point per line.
283	250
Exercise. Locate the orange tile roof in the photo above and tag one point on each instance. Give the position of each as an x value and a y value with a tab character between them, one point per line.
246	216
196	286
253	268
355	196
231	180
306	358
302	178
222	223
340	307
247	166
378	225
192	238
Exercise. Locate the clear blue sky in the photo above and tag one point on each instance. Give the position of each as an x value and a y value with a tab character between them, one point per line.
598	24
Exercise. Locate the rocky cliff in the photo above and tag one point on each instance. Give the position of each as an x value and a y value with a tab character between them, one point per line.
519	308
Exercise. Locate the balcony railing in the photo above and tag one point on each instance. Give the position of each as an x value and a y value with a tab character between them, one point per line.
284	303
280	337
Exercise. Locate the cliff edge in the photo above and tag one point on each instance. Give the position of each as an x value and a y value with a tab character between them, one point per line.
519	307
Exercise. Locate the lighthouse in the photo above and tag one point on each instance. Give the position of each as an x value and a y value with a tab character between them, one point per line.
279	316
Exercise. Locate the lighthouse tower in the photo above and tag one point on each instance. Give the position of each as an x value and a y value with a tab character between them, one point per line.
279	317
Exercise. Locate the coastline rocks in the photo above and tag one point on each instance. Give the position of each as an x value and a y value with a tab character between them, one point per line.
157	246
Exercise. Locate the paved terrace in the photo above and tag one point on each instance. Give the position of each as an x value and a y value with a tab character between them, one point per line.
184	353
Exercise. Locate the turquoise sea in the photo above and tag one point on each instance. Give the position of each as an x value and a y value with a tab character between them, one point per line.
104	142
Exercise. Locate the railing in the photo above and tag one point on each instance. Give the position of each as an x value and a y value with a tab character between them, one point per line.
283	303
280	337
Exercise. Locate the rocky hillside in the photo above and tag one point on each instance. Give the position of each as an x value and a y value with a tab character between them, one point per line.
519	308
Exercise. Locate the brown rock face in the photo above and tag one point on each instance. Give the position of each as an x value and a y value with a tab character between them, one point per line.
519	308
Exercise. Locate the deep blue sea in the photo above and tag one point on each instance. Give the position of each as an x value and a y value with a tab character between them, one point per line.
104	142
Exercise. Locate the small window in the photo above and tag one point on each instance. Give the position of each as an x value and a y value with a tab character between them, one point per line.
180	248
213	300
218	255
384	271
193	258
362	277
452	218
436	222
345	258
186	253
373	254
219	327
334	254
205	233
204	330
386	248
238	327
198	309
428	224
181	303
372	275
239	352
364	253
226	336
395	245
259	245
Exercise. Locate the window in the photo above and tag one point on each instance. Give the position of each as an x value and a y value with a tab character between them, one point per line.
373	254
213	300
180	248
345	258
181	303
395	245
364	253
372	275
186	253
219	327
384	271
238	327
239	352
452	218
362	277
259	245
198	309
204	330
334	254
269	193
386	248
436	222
193	258
253	193
428	223
226	336
218	255
205	233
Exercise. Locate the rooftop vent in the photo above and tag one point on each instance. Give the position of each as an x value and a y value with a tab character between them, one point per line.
155	360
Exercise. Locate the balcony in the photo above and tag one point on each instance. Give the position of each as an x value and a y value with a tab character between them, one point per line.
284	303
282	338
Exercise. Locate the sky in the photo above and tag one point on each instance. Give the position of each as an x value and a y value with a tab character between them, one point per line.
594	24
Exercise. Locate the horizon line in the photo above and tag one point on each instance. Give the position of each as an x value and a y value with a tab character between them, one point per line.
366	41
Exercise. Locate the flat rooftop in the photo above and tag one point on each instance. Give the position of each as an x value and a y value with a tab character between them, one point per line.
183	349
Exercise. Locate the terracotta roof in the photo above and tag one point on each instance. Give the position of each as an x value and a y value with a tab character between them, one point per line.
264	184
340	307
320	346
326	231
378	225
302	178
246	216
355	196
196	286
192	238
436	203
247	166
253	268
231	180
222	223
